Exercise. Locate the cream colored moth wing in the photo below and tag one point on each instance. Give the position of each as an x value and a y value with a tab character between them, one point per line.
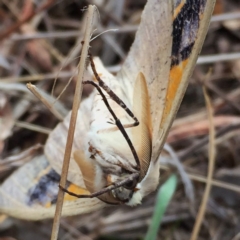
142	134
185	51
151	55
165	50
93	176
30	193
87	168
56	142
55	146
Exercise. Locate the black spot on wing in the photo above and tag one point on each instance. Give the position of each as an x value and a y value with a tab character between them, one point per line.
45	191
185	28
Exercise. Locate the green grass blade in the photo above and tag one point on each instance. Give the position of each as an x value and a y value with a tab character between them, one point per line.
164	196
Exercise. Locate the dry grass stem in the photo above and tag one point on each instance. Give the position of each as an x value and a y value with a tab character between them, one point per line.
33	127
38	94
76	103
218	58
212	153
38	77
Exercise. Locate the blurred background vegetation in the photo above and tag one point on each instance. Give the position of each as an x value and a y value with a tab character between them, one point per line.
41	39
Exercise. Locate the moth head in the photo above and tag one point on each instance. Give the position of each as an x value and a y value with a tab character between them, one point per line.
122	194
125	192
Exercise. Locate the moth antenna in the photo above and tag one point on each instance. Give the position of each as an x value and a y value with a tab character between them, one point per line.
142	134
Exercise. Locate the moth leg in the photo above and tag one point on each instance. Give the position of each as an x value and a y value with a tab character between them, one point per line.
103	190
117	122
113	96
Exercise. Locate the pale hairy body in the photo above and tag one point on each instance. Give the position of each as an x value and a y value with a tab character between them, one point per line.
108	152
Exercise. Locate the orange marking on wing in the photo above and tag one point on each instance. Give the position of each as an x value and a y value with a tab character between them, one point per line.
76	189
48	205
178	9
174	82
109	179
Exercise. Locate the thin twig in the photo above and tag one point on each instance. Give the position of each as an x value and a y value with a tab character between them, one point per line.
212	154
33	127
19	159
216	183
37	93
202	142
225	17
121	29
175	161
218	58
222	95
203	179
69	34
76	104
38	77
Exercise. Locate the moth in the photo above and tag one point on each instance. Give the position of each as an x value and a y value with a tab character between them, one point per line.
151	84
117	153
132	114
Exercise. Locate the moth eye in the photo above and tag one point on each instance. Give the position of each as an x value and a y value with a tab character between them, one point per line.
130	185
